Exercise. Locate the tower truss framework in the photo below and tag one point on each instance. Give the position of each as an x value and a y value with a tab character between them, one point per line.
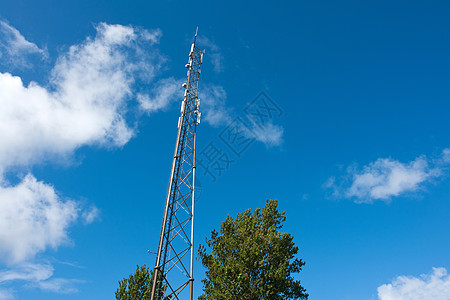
173	271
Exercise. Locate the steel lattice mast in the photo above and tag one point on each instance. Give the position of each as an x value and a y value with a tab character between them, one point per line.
174	262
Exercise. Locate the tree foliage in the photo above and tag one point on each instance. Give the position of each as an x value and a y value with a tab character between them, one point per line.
137	286
252	259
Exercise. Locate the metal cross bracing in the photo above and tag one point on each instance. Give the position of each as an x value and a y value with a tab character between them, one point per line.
173	270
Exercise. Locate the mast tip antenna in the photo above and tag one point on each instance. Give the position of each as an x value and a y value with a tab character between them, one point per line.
195	37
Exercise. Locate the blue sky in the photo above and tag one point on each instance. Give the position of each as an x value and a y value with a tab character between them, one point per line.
356	152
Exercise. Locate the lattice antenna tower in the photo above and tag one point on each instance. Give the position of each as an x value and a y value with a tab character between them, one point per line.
174	261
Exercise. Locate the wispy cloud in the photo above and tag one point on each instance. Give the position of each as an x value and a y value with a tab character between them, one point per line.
386	178
27	272
90	215
434	286
38	275
269	134
214	53
213	105
446	155
6	294
14	47
163	93
216	112
60	285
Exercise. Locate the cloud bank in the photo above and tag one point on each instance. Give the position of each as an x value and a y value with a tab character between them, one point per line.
434	286
90	89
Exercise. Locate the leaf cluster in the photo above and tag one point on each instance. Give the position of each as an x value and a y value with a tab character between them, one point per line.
251	258
138	286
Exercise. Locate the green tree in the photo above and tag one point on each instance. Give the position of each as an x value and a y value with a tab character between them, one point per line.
252	259
137	286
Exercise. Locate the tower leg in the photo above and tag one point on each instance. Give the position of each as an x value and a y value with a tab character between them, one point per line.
191	289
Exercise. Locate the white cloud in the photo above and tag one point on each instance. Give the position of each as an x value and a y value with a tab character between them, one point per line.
269	134
60	285
27	272
90	215
383	179
331	184
152	36
446	155
386	178
213	53
434	286
216	113
86	106
14	47
6	294
213	105
38	275
32	218
164	92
